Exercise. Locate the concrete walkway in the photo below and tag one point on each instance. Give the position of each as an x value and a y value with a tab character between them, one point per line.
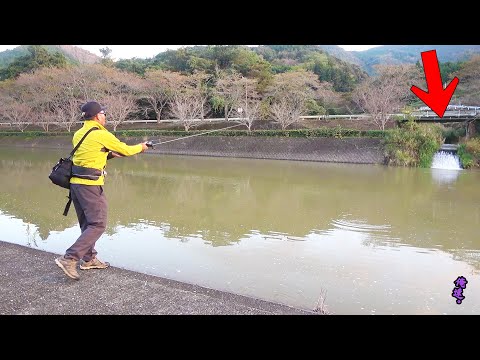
32	284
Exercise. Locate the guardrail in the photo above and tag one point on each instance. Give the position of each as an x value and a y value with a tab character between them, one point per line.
149	121
447	114
137	121
427	114
333	117
177	120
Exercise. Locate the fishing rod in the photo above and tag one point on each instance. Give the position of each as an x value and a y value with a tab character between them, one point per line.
152	145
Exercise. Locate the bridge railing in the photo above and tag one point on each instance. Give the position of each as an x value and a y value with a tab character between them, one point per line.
448	113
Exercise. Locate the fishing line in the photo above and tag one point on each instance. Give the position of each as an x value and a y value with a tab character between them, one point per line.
152	144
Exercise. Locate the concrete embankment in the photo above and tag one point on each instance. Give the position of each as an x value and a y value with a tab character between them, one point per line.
32	284
341	150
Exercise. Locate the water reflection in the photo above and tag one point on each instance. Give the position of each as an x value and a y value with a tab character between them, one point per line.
445	176
276	230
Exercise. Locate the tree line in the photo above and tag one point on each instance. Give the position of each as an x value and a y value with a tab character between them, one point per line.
216	81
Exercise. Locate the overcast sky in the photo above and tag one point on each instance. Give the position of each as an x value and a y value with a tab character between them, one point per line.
148	51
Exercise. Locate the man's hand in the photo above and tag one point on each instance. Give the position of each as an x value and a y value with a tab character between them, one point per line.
144	146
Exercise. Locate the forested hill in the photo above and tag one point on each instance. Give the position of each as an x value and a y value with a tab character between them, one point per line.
344	69
74	54
260	62
344	75
400	54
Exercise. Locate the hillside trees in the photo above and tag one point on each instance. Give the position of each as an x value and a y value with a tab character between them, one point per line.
157	89
283	58
37	57
248	104
189	99
468	91
54	95
343	76
14	107
290	93
120	92
41	90
387	92
228	92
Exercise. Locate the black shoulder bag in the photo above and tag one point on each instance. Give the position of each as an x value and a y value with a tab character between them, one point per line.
62	171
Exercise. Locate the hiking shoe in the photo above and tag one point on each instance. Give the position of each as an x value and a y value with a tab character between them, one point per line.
69	267
94	264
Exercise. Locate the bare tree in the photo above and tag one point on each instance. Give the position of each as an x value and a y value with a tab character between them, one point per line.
17	113
247	106
188	101
95	82
287	111
289	93
187	106
13	106
43	117
90	81
41	91
55	95
325	94
386	93
158	89
65	98
116	89
199	82
250	114
119	107
229	91
67	113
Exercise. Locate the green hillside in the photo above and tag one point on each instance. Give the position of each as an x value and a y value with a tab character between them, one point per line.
399	54
74	54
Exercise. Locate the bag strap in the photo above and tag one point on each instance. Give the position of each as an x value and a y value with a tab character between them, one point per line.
80	142
69	202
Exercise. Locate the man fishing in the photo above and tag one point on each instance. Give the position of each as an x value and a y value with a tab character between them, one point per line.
86	187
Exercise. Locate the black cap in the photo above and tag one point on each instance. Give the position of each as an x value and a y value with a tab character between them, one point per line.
91	108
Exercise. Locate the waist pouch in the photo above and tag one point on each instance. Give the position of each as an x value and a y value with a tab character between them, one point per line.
86	173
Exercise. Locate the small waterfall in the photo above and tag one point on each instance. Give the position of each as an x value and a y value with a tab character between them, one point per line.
446	160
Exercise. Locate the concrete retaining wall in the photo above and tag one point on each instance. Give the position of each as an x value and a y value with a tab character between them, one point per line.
346	150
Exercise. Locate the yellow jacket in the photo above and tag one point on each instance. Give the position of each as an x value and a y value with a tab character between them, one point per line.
93	151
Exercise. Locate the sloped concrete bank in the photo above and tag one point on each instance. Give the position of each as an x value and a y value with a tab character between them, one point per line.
346	150
32	284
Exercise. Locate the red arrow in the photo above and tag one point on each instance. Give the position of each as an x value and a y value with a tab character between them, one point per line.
436	98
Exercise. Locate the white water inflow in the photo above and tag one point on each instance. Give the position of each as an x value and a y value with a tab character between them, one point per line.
446	160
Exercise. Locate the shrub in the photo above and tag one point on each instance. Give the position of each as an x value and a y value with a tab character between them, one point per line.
469	153
466	159
413	144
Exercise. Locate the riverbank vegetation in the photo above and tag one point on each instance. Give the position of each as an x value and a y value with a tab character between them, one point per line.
413	144
469	153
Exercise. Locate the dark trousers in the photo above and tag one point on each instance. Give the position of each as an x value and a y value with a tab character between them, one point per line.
91	207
